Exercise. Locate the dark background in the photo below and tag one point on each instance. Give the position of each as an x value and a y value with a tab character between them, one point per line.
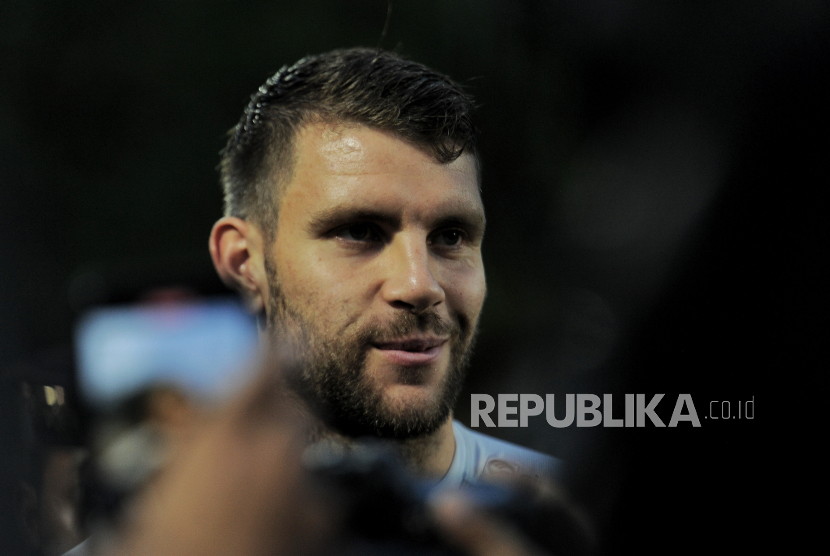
651	176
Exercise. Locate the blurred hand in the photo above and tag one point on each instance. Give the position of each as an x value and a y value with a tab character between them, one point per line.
236	487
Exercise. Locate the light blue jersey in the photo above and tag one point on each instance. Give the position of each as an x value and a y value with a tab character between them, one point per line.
479	457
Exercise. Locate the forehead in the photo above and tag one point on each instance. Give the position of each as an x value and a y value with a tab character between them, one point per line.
353	165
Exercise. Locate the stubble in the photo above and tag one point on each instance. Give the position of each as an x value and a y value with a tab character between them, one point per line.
332	379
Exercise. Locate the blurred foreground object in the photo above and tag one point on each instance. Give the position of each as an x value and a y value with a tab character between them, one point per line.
235	487
386	510
198	345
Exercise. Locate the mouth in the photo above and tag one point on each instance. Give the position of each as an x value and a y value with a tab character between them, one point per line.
414	351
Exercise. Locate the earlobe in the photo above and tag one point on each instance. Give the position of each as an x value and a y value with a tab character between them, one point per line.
237	252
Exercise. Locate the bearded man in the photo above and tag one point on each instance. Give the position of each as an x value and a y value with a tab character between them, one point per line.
354	223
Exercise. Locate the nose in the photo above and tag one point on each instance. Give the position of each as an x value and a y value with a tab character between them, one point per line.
410	282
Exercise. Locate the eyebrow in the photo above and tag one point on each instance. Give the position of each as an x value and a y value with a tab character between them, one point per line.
329	218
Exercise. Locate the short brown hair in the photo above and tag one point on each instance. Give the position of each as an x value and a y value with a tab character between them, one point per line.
369	87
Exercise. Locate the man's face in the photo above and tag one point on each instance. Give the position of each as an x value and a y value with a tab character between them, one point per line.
376	272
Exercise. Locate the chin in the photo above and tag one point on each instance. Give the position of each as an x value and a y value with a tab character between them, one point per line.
401	412
407	402
410	397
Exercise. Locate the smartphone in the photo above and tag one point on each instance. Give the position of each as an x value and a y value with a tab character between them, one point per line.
205	347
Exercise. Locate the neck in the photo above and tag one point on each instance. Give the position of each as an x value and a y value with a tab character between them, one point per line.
429	456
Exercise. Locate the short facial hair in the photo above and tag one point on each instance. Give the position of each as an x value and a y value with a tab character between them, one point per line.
332	381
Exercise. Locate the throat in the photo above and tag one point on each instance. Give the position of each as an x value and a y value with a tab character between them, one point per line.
431	455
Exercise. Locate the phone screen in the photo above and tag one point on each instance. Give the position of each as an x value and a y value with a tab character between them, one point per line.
204	347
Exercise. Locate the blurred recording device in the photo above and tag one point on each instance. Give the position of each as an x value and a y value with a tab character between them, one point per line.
153	344
143	324
141	368
201	347
387	509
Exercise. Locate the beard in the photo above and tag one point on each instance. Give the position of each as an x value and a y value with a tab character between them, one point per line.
332	378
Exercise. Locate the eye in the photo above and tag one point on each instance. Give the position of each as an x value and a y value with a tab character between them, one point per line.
451	237
360	232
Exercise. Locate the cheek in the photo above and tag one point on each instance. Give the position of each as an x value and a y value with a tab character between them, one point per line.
466	292
328	292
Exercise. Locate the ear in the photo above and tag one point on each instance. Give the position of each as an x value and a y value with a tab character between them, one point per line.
237	249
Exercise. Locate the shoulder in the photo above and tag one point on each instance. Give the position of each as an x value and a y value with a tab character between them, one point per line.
484	457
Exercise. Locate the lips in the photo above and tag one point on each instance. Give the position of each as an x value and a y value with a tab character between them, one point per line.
409	352
412	344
